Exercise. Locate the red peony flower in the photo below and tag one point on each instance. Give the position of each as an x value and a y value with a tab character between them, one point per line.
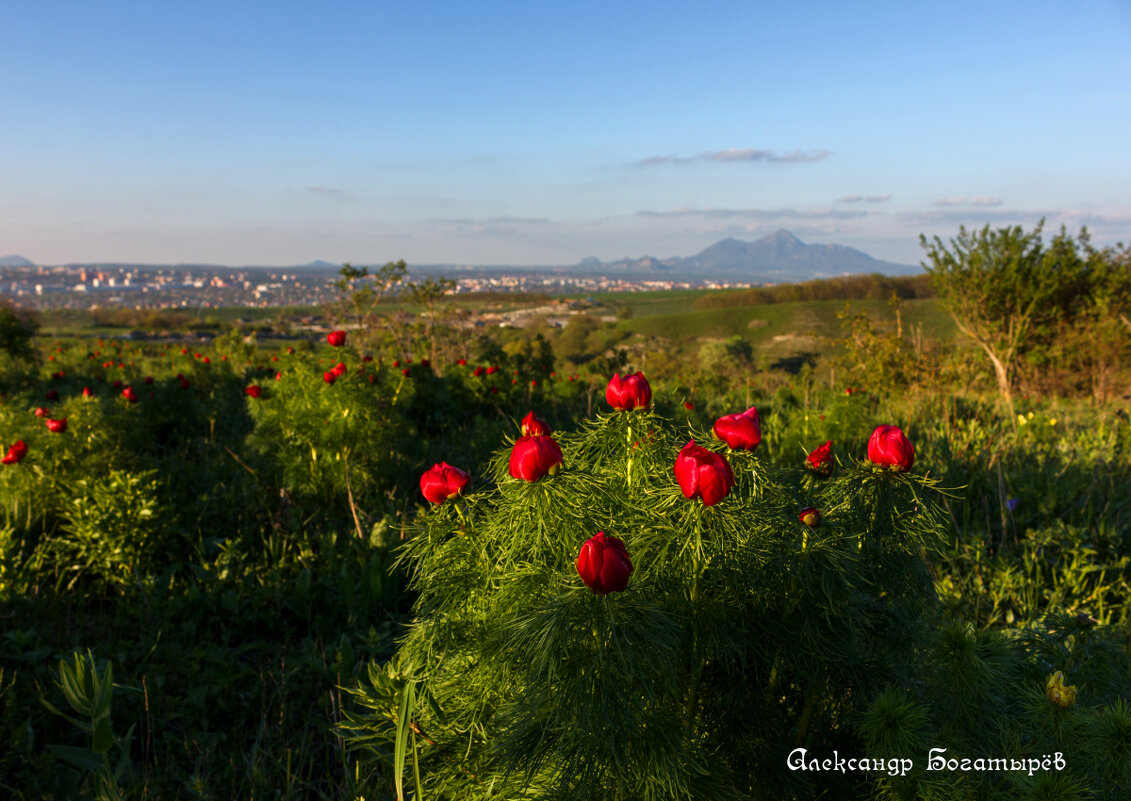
406	372
129	394
628	393
86	392
425	362
535	426
686	404
367	358
57	426
603	564
290	351
42	411
52	395
254	390
396	362
534	457
15	453
890	447
336	338
329	376
279	376
461	362
442	482
338	369
810	516
117	385
492	369
741	432
703	474
478	371
821	459
206	360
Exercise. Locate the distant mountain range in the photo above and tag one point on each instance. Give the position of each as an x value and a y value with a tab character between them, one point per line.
778	257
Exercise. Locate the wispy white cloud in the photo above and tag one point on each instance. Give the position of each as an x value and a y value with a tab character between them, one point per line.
962	200
863	198
759	214
738	156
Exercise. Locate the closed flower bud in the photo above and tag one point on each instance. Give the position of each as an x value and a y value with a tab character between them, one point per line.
741	432
810	516
628	393
57	426
889	447
1057	692
820	459
535	426
603	564
254	390
703	474
442	482
15	453
336	338
534	457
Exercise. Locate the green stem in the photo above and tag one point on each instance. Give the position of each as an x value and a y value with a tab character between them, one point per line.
629	446
807	711
697	661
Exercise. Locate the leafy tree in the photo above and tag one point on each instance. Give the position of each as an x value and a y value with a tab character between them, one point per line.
16	331
1006	291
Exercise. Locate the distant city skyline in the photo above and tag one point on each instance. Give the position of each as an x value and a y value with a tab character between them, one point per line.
511	133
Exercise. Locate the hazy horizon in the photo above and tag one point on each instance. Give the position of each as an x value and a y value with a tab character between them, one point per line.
510	134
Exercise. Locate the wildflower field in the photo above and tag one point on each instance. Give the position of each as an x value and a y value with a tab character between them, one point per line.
437	566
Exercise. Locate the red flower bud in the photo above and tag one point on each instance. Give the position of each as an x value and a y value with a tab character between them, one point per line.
15	453
442	482
603	564
703	474
336	338
810	516
821	459
57	426
741	432
535	426
129	394
534	457
628	393
890	447
254	390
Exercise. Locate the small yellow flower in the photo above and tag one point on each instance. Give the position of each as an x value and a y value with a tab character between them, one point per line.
1052	422
1057	692
1021	419
1030	415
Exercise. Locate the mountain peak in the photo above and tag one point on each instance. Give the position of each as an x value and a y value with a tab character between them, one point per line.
782	237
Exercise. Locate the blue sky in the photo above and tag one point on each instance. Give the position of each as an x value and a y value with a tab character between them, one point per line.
523	133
